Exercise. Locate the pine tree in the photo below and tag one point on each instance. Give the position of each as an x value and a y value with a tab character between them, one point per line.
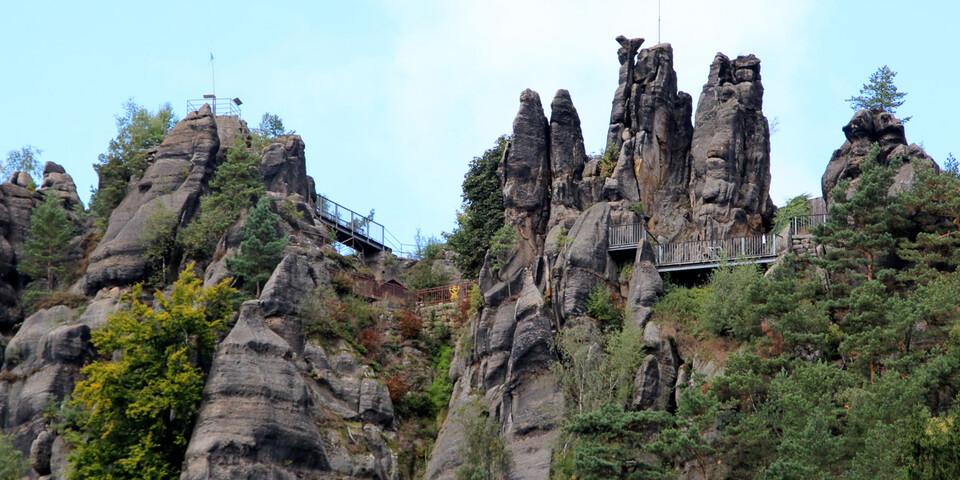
45	250
260	249
482	214
880	93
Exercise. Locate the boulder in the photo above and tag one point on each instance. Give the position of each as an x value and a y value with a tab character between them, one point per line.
865	129
57	182
175	178
284	168
645	287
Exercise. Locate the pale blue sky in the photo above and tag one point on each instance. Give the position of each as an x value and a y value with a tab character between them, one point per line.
393	98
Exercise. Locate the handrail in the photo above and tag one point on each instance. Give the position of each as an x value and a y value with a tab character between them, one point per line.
221	107
359	226
804	224
452	293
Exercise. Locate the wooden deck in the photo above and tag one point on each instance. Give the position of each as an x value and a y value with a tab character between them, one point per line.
703	254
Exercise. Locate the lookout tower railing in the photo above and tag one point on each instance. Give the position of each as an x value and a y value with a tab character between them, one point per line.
696	254
221	107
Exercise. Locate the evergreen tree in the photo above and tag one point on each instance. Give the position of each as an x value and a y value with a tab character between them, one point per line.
261	248
27	159
138	130
12	464
861	224
482	213
138	403
236	185
880	93
45	250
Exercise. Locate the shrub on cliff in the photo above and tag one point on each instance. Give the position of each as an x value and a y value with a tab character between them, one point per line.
236	186
482	210
138	130
139	401
12	463
27	159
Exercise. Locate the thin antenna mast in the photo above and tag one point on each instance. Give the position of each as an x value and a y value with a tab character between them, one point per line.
213	77
658	21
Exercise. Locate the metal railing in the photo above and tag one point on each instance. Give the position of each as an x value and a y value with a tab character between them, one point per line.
804	225
714	251
626	236
454	293
370	288
351	223
221	107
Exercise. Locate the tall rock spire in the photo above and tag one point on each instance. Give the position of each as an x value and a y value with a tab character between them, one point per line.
730	154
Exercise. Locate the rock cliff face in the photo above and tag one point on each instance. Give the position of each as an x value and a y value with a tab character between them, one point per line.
730	184
175	178
866	128
706	180
712	179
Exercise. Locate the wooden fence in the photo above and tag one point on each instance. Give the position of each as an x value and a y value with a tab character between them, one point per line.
455	293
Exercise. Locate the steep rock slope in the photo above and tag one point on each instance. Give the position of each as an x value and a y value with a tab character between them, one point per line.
543	284
177	174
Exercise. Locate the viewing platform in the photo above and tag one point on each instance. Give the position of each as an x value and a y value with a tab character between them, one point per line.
707	254
352	229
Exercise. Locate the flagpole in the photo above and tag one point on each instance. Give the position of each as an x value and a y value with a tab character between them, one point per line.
213	78
658	21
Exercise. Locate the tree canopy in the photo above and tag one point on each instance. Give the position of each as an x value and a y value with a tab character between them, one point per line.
261	248
26	159
482	210
45	256
137	404
138	130
879	93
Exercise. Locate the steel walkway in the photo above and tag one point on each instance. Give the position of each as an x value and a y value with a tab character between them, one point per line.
704	254
352	229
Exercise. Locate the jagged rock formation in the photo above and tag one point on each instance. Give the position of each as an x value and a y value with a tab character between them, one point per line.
711	180
706	180
177	174
284	168
730	174
866	128
41	365
56	181
16	202
276	405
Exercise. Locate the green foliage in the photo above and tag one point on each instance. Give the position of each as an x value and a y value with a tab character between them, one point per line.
12	464
482	210
261	248
862	226
139	402
159	237
879	93
422	275
271	126
484	453
951	166
728	308
27	159
440	388
502	243
236	186
596	368
602	307
45	256
608	442
798	206
609	160
681	306
138	130
637	208
475	299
